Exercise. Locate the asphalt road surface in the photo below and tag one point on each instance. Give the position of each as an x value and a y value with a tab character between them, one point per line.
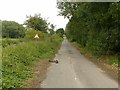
75	71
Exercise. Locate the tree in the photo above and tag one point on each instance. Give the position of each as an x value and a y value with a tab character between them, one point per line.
36	22
60	32
51	31
93	25
52	27
12	29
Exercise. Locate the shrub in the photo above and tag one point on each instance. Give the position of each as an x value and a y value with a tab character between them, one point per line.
30	34
55	37
7	41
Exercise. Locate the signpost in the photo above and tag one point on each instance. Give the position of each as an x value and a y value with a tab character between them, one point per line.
36	37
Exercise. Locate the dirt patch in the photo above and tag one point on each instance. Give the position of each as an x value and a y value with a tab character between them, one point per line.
39	71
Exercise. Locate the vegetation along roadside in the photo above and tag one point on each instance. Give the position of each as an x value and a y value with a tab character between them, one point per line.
21	52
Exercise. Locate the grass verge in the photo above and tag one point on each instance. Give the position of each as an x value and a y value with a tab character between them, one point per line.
108	63
18	60
8	41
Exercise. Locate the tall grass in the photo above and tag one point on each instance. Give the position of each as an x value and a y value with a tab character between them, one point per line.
8	41
17	60
109	59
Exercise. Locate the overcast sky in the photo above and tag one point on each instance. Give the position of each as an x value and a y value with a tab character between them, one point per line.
16	10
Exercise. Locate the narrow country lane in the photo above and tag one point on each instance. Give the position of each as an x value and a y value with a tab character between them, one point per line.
75	71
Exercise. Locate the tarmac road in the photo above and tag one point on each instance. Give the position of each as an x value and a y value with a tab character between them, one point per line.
75	71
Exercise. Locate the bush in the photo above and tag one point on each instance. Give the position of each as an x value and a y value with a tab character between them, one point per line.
30	34
55	37
7	41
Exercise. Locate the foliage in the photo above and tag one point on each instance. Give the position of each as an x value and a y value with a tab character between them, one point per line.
11	29
36	22
52	26
55	37
8	41
0	28
30	34
60	32
17	60
93	25
51	31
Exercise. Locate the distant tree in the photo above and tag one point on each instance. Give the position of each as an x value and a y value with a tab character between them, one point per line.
51	31
37	22
12	29
52	27
60	32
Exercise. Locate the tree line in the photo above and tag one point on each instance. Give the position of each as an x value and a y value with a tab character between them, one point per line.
94	25
12	29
